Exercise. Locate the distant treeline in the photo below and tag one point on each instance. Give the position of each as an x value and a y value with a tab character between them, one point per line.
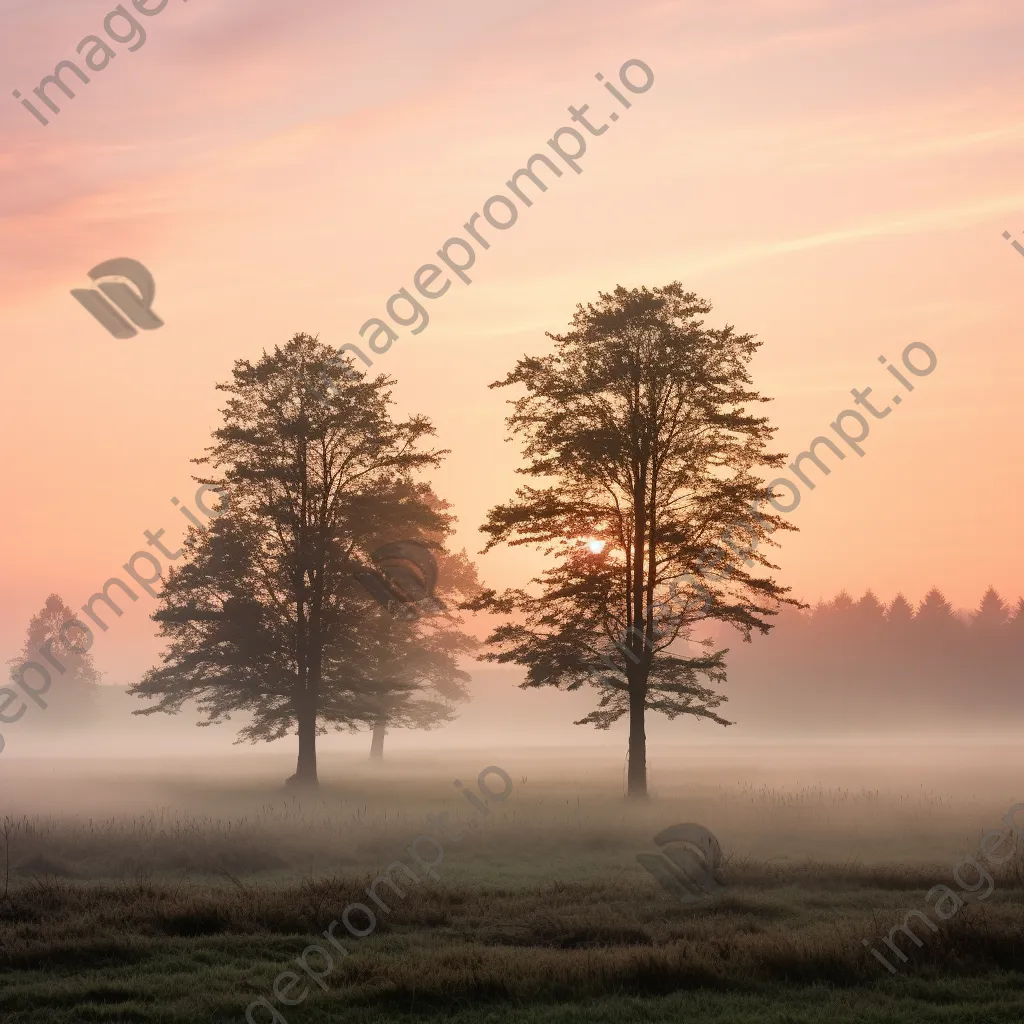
861	663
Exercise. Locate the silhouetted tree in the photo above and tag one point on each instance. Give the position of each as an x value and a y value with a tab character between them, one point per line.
939	646
935	612
894	672
869	612
639	433
899	614
414	663
72	694
1013	632
264	615
830	621
864	637
991	645
992	612
1015	623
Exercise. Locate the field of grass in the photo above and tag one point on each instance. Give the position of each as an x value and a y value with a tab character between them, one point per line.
135	897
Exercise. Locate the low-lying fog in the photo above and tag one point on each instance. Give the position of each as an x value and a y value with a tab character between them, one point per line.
115	794
891	802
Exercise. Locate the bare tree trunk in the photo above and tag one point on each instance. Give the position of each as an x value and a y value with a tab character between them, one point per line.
305	769
636	674
636	774
377	744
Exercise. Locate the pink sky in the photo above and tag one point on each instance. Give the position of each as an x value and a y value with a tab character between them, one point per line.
834	177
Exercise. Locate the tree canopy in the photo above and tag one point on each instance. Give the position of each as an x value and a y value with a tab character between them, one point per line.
639	431
413	663
264	615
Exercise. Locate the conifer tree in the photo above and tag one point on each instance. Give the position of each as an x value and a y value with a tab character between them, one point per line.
72	693
992	613
935	612
869	610
900	614
1015	623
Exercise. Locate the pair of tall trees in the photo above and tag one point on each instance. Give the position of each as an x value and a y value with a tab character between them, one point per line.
265	614
639	432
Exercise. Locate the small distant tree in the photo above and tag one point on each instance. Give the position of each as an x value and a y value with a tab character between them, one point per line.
832	623
991	644
897	645
992	613
416	672
412	665
865	630
1013	645
869	611
641	433
935	613
939	644
819	613
1016	620
899	615
74	688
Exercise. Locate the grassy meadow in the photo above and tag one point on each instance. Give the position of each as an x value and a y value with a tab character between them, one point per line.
142	892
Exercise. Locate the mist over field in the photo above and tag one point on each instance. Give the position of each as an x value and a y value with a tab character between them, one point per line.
122	871
858	782
115	818
502	717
